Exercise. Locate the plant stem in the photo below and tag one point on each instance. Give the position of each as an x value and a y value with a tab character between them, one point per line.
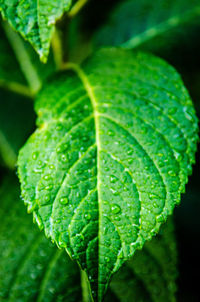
57	47
85	287
25	63
17	88
76	8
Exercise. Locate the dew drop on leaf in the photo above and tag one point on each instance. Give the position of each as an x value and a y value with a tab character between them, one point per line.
115	209
64	200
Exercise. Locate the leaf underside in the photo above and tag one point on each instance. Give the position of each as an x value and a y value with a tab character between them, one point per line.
34	20
114	146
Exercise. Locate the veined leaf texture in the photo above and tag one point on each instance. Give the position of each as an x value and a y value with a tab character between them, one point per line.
35	20
115	142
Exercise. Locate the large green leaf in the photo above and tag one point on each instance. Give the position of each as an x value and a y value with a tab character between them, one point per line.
17	119
31	268
34	20
110	158
135	22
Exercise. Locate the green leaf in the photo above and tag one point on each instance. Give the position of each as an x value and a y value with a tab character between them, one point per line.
135	22
110	158
34	20
31	268
151	274
16	123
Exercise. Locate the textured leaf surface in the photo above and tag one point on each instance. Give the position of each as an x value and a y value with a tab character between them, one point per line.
151	274
112	153
31	268
135	22
34	20
16	123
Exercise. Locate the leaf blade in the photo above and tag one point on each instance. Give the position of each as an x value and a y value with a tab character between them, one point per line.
109	169
34	20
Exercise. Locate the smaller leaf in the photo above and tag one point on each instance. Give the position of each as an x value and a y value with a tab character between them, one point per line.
34	20
31	268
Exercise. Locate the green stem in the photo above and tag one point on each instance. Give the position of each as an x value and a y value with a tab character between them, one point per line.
85	287
16	88
57	47
76	8
7	153
22	56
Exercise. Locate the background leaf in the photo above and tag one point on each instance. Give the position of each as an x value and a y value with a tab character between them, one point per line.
31	268
111	155
34	20
150	25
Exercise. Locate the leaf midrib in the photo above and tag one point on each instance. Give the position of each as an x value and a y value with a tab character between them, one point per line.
82	76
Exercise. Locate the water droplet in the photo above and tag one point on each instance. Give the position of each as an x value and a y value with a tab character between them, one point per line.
47	198
130	160
64	200
110	133
107	259
59	127
178	156
115	209
34	155
113	179
172	110
46	177
49	187
52	167
33	276
58	149
88	216
171	173
63	158
117	218
152	196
